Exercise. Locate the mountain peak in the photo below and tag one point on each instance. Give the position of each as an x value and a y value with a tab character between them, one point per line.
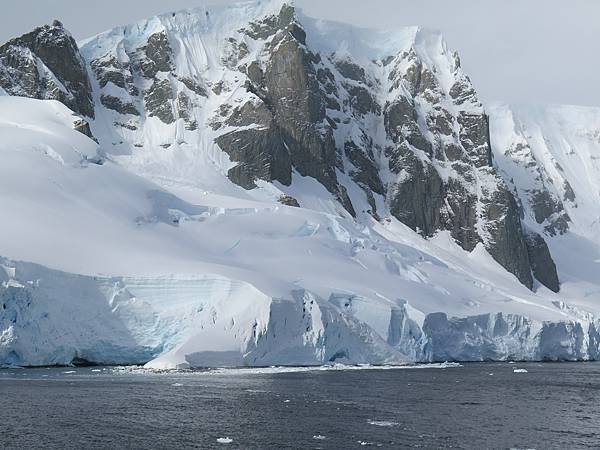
46	63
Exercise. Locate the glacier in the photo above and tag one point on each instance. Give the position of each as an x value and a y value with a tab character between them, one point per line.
133	245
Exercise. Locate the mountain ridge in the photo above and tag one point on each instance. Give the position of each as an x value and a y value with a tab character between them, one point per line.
322	153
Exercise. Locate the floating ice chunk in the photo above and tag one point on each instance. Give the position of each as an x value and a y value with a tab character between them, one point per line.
446	364
319	437
519	370
382	423
225	440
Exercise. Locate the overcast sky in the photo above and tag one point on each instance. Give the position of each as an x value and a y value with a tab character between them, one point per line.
519	51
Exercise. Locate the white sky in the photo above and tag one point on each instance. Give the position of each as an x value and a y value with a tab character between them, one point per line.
519	51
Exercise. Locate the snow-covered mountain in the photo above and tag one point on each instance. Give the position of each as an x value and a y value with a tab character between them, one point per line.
246	185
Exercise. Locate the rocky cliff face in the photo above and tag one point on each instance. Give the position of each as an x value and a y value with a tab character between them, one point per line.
46	64
386	130
441	160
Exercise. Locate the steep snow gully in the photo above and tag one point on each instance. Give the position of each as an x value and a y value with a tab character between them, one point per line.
247	186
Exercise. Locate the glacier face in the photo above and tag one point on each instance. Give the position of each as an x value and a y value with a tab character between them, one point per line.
260	191
211	321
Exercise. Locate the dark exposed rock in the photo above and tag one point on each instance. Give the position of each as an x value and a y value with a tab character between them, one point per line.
184	111
260	153
184	106
361	100
46	64
507	243
83	127
412	76
460	214
158	55
542	265
194	86
400	119
441	123
474	135
289	201
127	126
462	92
262	29
422	201
251	113
548	209
366	171
116	78
569	192
116	104
332	103
158	100
219	88
372	204
294	130
427	82
191	125
299	106
344	199
453	152
418	198
271	25
255	73
110	70
327	80
234	52
350	70
397	114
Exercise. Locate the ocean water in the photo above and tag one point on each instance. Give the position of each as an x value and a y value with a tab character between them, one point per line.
488	405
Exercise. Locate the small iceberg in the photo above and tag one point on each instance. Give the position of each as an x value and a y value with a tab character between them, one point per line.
382	423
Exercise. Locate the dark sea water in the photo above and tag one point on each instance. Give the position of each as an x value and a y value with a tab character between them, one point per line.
473	406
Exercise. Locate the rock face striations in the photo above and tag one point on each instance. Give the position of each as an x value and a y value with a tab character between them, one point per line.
389	126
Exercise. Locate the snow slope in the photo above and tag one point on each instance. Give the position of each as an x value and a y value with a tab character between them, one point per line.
130	252
557	147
